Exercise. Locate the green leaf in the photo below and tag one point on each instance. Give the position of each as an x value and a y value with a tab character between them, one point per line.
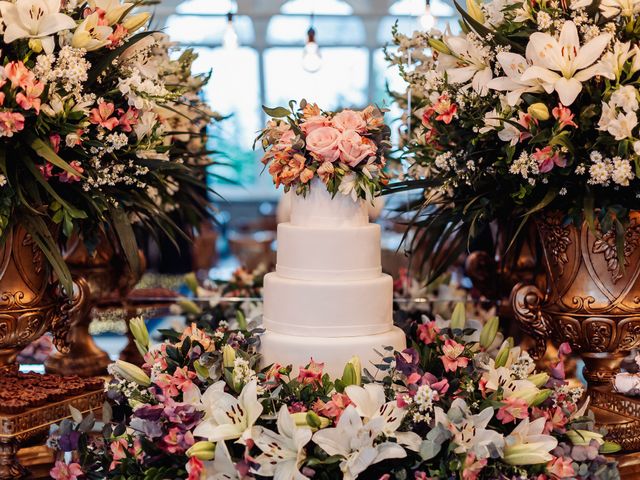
277	112
45	151
126	237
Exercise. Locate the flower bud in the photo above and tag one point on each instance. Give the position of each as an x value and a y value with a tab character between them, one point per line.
35	44
489	332
503	356
531	453
136	21
610	447
188	306
529	395
539	379
439	46
131	373
140	334
191	282
228	356
475	11
539	111
352	373
202	450
540	397
308	419
313	419
584	437
458	317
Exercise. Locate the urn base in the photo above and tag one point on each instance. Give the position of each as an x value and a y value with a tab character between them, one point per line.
619	415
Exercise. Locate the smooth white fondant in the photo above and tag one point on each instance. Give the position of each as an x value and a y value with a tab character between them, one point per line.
325	253
319	209
334	352
328	308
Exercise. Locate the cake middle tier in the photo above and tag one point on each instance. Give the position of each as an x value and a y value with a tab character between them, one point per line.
331	308
328	253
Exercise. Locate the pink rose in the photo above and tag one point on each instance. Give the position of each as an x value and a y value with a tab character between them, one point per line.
323	144
349	120
314	122
354	148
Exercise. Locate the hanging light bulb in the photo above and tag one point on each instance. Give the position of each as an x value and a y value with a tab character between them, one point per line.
427	20
311	58
230	36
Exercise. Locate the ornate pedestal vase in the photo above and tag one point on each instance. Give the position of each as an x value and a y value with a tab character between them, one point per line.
591	301
109	279
30	303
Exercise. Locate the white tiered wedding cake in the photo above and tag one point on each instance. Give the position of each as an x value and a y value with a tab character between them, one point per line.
328	298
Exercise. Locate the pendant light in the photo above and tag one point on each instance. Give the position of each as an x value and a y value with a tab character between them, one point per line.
230	36
311	58
427	20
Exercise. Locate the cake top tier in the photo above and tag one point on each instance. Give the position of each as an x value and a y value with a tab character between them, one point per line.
319	209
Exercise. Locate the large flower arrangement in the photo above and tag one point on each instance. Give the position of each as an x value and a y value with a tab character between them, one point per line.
90	106
459	403
534	105
345	150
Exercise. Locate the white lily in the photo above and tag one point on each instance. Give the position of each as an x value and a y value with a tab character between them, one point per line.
469	431
501	377
283	452
354	441
527	445
35	19
222	467
624	8
113	9
617	57
90	35
228	417
514	66
562	64
371	403
467	63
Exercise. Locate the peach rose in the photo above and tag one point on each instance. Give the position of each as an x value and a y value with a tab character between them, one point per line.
354	148
312	123
349	120
323	144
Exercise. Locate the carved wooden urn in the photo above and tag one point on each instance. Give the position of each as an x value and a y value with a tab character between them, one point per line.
592	296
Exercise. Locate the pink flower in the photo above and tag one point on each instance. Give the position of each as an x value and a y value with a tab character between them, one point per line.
117	36
10	123
54	140
428	332
313	123
332	409
322	142
286	140
547	158
195	468
312	373
512	410
46	170
118	452
349	120
31	96
306	175
62	471
452	358
66	177
19	74
102	116
127	119
440	386
176	441
354	148
445	109
561	467
2	97
564	116
472	467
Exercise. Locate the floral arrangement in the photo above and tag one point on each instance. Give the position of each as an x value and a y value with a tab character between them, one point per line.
458	403
90	109
345	150
533	105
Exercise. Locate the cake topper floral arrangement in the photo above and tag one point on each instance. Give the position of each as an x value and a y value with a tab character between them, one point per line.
91	107
533	105
460	402
345	150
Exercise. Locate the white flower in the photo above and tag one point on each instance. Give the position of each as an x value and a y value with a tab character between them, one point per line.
562	64
527	445
616	59
625	8
228	417
626	97
371	403
468	62
37	19
621	172
514	66
222	467
510	133
491	120
113	9
146	122
469	431
90	35
348	184
622	126
283	452
354	441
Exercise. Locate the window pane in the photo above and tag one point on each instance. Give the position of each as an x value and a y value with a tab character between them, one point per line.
388	78
207	30
206	6
417	7
320	7
233	90
340	82
408	25
283	29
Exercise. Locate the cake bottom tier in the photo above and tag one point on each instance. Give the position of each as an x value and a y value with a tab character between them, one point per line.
334	352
